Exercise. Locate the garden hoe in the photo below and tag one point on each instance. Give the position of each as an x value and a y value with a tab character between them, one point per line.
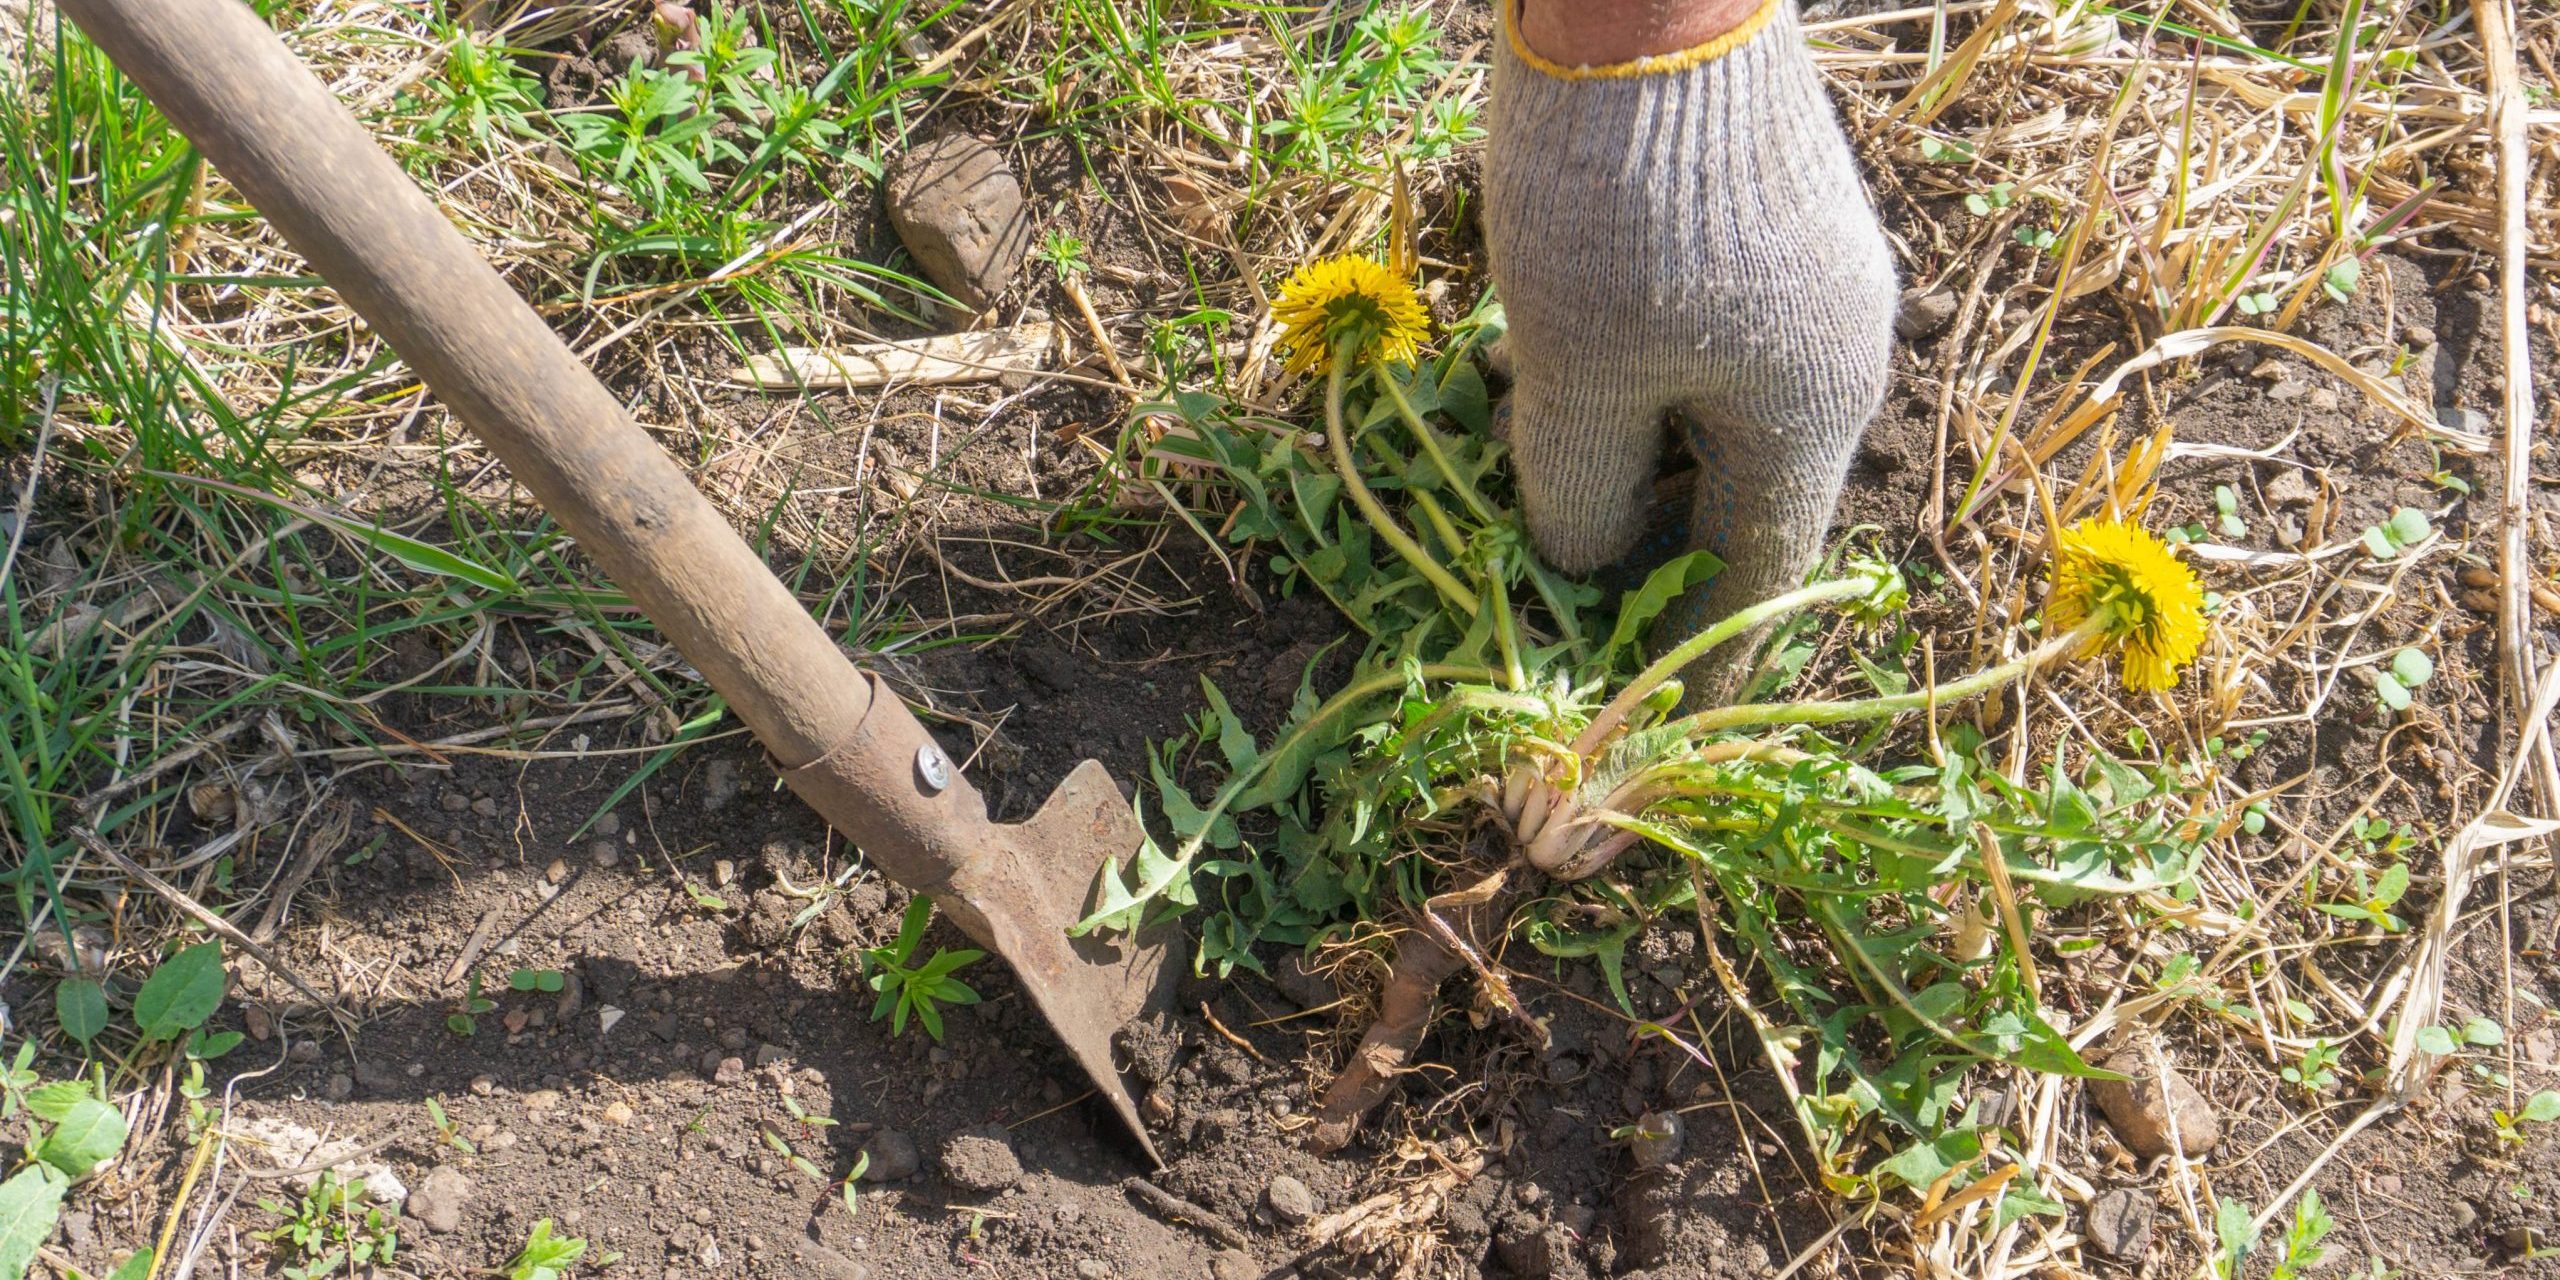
843	740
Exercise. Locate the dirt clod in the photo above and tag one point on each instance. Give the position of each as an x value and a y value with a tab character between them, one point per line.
982	1161
1924	314
960	212
893	1156
438	1200
2119	1224
1290	1200
2144	1108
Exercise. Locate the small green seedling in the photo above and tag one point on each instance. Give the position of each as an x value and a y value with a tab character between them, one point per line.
2374	899
1947	151
465	1019
2341	279
922	989
2040	239
2541	1108
546	1257
1063	251
445	1132
547	981
2226	509
2316	1072
1999	195
861	1166
704	898
2409	669
2258	303
2478	1033
2406	528
330	1231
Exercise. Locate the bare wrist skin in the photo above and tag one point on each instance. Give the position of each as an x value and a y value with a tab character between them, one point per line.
1596	33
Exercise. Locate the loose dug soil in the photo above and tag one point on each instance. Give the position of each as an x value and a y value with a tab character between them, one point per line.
662	1105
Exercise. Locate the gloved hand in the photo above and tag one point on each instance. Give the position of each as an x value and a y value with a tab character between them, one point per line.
1684	233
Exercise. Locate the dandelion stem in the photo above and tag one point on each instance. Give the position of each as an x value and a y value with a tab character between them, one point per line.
1338	436
1430	441
1691	649
1819	712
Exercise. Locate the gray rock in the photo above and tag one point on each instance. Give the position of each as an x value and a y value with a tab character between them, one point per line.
960	212
2119	1224
2143	1109
1924	314
1290	1200
982	1161
719	785
438	1200
893	1156
2456	418
1656	1140
340	1087
1092	1269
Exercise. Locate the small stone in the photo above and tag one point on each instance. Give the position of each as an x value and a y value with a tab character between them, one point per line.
2421	336
719	785
1092	1269
340	1087
1924	314
453	802
304	1051
2119	1224
556	872
2288	389
483	1085
1233	1264
603	854
438	1200
2290	488
769	1054
609	825
2463	1214
960	212
729	1070
1656	1140
734	1039
2143	1109
982	1161
724	872
893	1156
2469	420
255	1021
1158	1106
1290	1200
606	1017
485	806
617	1112
2324	400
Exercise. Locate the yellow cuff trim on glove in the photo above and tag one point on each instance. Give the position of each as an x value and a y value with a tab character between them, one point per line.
1648	65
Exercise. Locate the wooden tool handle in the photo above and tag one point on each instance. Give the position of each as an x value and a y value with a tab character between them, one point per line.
277	135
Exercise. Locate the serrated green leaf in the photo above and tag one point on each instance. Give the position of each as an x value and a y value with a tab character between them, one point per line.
1640	607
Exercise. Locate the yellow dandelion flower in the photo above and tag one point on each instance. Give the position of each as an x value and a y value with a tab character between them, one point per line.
1348	299
2153	604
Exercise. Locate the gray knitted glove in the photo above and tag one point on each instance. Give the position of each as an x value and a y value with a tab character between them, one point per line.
1684	234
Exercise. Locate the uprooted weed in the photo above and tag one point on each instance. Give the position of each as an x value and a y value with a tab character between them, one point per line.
1896	908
